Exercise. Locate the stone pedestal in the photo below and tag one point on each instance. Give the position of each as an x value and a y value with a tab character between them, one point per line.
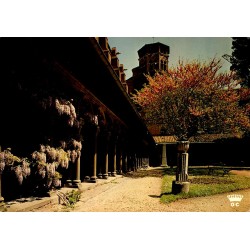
181	184
182	167
180	187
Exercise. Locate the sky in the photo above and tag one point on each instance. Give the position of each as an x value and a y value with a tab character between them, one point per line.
184	48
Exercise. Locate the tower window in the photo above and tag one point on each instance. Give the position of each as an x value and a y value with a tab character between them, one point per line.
163	65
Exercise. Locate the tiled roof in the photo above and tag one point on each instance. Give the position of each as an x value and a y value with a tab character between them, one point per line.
165	139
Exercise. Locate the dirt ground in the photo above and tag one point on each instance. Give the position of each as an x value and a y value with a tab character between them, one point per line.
140	192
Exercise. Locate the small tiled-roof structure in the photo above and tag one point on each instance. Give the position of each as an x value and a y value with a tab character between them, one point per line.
165	139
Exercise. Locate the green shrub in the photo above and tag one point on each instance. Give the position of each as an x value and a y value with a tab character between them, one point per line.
73	197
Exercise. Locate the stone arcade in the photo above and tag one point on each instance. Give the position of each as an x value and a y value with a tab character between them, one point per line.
87	72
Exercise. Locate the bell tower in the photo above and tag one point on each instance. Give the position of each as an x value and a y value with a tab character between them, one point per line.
152	57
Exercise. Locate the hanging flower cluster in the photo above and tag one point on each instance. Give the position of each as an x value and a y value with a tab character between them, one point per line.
66	108
45	162
22	170
75	151
48	159
2	161
20	166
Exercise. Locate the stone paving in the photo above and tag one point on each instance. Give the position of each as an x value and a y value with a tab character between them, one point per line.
33	203
135	192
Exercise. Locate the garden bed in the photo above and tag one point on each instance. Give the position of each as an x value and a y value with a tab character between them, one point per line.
203	184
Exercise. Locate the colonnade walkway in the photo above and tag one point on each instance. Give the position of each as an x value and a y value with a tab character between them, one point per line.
34	203
138	191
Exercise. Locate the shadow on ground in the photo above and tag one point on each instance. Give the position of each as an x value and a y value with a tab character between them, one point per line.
161	171
155	196
152	172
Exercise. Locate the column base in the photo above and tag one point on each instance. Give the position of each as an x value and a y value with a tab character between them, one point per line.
99	176
2	207
180	187
75	183
93	179
68	183
105	176
113	174
164	165
86	178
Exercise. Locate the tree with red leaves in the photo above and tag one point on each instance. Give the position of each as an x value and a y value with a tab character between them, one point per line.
193	98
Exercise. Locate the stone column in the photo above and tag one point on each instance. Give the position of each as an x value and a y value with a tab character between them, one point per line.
135	162
93	177
100	163
106	173
164	156
125	162
78	167
114	168
120	163
146	162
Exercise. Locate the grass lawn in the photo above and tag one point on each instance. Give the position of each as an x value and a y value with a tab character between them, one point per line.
203	184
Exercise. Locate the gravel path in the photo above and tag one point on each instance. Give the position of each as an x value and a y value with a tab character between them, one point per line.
141	193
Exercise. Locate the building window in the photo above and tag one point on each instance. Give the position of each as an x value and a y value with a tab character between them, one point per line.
163	65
